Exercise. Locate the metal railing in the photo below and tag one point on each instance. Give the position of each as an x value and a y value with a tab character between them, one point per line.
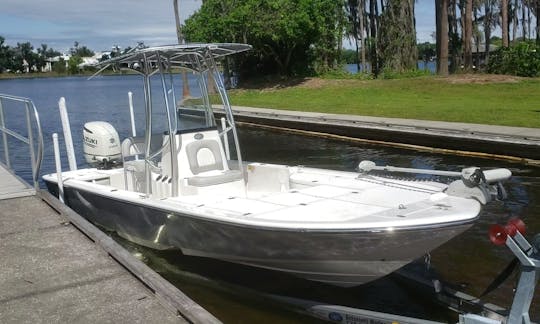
31	111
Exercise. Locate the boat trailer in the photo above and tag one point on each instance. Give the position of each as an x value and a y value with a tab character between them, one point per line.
471	309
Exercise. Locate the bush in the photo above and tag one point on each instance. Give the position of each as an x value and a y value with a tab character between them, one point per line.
522	59
388	74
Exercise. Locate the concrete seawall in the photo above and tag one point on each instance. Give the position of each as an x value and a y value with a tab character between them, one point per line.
511	142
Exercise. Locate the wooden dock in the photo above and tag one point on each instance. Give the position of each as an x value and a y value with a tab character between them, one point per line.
12	186
53	273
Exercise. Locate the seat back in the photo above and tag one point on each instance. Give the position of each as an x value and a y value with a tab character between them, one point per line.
204	155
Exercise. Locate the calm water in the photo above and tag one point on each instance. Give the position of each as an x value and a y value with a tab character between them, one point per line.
238	294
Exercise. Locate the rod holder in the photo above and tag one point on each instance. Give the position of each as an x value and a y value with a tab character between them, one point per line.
58	163
67	134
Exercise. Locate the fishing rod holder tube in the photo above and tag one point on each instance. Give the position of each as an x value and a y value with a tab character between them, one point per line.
482	185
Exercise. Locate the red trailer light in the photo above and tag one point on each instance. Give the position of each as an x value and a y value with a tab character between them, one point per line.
497	234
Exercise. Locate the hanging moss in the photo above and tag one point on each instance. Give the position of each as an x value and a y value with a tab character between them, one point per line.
397	37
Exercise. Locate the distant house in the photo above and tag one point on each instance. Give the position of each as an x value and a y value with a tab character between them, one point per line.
26	66
479	52
50	61
88	61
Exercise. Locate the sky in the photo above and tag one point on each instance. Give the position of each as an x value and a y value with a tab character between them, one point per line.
100	24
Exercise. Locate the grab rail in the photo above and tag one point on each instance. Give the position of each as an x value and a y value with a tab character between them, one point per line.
30	108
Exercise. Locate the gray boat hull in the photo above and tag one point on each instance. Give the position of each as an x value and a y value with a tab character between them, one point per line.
339	257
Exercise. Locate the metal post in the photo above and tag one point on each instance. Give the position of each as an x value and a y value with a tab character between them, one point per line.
519	313
67	134
229	114
130	96
58	168
4	136
31	144
148	128
172	135
225	137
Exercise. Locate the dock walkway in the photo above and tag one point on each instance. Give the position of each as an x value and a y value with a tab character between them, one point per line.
12	186
53	273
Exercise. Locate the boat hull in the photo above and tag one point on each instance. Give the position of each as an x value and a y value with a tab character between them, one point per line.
338	257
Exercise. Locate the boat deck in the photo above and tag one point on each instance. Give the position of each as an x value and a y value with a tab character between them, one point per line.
52	273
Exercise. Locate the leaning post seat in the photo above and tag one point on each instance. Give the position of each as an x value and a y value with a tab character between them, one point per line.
201	160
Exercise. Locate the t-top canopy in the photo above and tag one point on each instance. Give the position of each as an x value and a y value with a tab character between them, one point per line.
186	55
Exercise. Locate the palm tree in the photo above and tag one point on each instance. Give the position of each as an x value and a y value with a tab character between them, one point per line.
537	5
397	23
441	9
490	21
467	35
504	22
181	40
374	27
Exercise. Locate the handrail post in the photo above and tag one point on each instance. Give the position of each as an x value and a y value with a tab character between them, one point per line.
225	137
4	136
29	139
131	114
31	144
58	165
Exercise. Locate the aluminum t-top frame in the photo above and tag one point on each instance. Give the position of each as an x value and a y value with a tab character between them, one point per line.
200	59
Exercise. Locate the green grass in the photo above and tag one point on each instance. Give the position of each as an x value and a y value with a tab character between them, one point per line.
427	98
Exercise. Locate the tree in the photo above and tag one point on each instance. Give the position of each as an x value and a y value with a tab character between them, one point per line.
361	10
441	8
373	26
24	57
504	22
181	40
489	23
73	64
288	37
537	13
6	56
537	7
353	15
45	53
467	35
454	43
60	66
81	51
397	38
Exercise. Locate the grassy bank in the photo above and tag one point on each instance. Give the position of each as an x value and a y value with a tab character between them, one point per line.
468	98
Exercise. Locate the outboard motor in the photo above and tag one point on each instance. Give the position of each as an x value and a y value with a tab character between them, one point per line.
101	144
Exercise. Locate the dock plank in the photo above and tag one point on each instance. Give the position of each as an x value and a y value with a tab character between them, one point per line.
51	273
12	186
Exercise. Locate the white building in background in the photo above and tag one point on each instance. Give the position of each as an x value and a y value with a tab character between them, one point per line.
49	62
87	61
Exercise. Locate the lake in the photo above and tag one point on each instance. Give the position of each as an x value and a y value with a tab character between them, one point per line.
240	294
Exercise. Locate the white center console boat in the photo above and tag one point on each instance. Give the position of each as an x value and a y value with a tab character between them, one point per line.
184	185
